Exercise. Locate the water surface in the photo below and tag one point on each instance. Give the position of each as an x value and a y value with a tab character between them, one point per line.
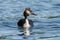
46	23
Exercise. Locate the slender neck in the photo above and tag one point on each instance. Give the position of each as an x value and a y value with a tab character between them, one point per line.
25	17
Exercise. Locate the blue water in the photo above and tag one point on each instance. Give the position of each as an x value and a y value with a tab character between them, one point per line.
46	23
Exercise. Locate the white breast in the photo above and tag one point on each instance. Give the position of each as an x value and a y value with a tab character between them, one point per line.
26	28
26	25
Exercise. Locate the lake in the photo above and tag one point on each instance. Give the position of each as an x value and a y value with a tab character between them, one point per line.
46	23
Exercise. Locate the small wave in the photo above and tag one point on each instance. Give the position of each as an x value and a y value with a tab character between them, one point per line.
2	37
49	37
56	4
53	17
5	36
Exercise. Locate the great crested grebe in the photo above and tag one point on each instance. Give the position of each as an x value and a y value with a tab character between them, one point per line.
26	23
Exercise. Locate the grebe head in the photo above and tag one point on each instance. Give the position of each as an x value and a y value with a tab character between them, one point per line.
27	12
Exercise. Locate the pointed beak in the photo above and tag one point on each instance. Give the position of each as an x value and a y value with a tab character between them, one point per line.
33	14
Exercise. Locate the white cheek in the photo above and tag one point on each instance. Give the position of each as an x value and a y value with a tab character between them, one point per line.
28	12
